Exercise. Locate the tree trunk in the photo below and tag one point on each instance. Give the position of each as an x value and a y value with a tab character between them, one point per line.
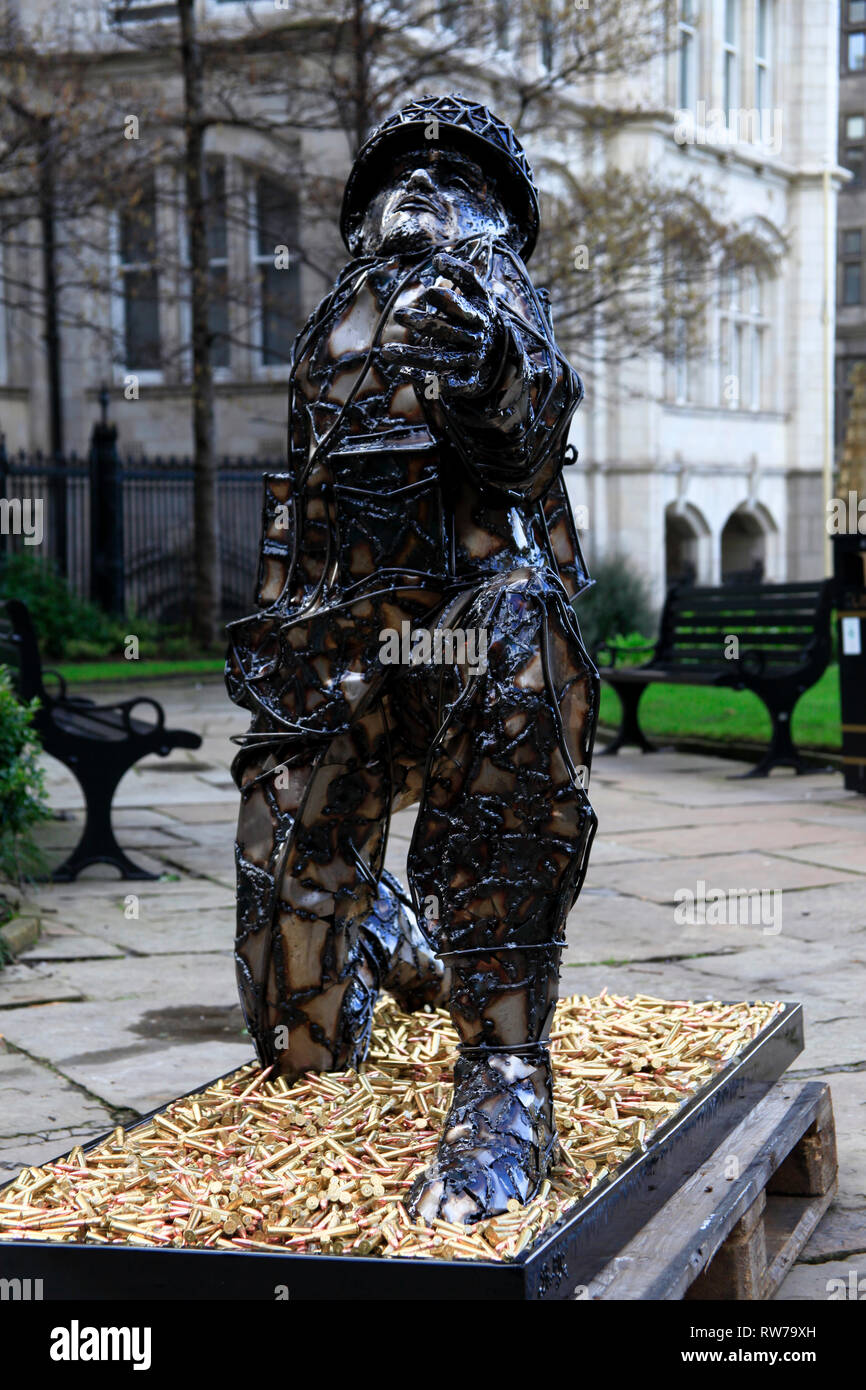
361	82
52	337
206	557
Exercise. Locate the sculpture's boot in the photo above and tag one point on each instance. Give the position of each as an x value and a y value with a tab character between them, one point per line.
499	1136
404	961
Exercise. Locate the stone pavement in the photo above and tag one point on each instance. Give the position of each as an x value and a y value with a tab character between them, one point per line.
128	999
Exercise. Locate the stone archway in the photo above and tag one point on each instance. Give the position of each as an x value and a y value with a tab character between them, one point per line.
687	545
748	545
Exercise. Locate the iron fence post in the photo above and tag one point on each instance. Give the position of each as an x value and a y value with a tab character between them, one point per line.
4	474
106	515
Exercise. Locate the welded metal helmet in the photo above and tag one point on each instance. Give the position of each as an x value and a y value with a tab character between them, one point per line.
452	122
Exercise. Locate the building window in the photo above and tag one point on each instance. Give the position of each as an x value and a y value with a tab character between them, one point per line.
743	337
853	139
763	47
546	37
275	256
4	290
687	54
854	35
139	280
677	282
844	394
851	264
451	15
216	228
138	11
731	96
504	26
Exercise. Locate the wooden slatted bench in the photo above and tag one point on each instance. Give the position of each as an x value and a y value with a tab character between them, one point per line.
98	743
782	648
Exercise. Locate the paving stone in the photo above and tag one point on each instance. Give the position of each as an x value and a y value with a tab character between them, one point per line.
31	984
37	1101
848	855
19	1153
135	1053
64	943
207	978
175	933
155	1076
222	812
612	926
218	866
661	880
815	1283
733	837
841	1233
826	914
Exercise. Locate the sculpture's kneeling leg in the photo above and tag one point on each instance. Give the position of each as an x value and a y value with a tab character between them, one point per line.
320	930
501	844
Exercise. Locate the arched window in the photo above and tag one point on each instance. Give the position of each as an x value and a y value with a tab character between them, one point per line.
743	338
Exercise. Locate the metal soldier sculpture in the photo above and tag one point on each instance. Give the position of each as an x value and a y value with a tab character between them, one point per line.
415	643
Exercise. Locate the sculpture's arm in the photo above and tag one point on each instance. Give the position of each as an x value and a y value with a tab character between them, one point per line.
512	436
482	354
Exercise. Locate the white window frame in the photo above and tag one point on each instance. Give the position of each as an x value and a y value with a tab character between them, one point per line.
687	55
147	376
764	60
731	62
224	371
681	363
546	8
744	337
265	371
505	28
140	14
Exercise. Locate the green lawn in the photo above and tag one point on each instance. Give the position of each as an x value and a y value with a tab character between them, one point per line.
666	711
87	672
731	716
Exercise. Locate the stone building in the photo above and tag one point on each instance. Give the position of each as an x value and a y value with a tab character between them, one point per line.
704	467
851	284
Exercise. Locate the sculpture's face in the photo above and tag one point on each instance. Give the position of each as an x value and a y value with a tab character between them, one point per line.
432	197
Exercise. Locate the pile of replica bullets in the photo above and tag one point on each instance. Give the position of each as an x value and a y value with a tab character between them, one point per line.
323	1166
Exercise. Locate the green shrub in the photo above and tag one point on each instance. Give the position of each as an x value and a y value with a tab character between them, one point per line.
618	605
22	789
69	627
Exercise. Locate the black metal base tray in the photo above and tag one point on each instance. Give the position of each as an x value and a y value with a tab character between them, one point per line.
566	1257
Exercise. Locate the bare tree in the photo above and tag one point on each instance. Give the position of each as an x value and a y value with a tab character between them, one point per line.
206	606
631	257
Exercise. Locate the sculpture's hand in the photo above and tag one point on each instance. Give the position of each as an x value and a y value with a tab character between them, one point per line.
455	336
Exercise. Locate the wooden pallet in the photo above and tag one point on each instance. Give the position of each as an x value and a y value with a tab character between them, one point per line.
735	1228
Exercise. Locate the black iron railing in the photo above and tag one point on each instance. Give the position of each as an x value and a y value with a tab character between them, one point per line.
121	530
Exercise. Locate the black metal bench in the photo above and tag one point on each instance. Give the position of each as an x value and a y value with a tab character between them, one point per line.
98	743
782	648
